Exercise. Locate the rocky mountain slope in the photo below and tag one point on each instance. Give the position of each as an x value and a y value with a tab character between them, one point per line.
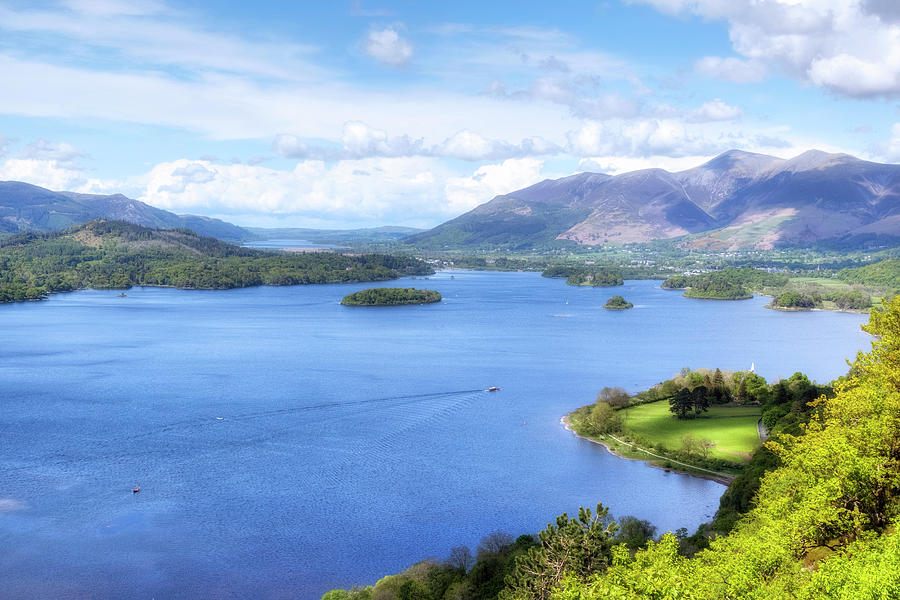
736	200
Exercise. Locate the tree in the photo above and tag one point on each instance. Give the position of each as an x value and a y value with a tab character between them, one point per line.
634	532
494	543
742	391
461	558
614	396
581	547
603	418
699	399
681	403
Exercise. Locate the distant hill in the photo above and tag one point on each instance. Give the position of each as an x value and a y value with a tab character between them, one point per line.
736	200
26	207
105	254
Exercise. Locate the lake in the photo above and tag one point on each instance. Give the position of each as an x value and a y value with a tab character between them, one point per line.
285	445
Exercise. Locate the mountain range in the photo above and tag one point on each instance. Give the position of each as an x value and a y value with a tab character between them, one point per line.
736	200
26	207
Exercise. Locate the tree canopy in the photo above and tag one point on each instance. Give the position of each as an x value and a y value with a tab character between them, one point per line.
118	255
618	303
391	297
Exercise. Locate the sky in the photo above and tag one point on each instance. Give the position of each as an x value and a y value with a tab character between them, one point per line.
363	113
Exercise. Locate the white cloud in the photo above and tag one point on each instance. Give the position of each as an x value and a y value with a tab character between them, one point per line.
195	172
469	145
714	110
643	138
731	69
465	193
149	32
107	8
51	174
606	106
849	48
416	191
230	107
360	140
886	10
386	46
616	165
374	189
60	152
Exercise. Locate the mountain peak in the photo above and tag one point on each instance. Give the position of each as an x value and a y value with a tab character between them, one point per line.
740	160
816	159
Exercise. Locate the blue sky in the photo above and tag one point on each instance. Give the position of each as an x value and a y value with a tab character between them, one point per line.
350	114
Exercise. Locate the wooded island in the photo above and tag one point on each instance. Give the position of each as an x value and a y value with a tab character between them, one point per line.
391	297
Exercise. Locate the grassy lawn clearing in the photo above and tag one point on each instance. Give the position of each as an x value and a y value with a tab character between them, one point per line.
823	281
731	428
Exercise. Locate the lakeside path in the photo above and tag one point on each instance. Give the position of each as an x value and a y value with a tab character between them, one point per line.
723	478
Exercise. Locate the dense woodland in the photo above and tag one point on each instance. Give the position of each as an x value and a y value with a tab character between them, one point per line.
885	273
814	515
727	284
585	275
391	297
118	255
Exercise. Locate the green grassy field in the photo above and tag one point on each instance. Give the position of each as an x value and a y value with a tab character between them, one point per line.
823	281
731	428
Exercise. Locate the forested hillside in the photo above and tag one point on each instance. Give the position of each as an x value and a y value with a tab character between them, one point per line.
885	273
118	255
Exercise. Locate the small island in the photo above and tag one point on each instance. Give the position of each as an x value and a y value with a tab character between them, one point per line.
618	303
391	297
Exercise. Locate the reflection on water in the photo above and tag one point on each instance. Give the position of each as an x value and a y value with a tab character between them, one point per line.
285	444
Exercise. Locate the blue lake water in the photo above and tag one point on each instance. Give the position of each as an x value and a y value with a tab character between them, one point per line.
287	243
285	445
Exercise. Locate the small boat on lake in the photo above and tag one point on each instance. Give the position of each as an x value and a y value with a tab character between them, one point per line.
493	388
135	490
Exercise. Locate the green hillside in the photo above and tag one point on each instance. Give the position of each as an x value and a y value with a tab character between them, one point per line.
885	273
823	523
115	254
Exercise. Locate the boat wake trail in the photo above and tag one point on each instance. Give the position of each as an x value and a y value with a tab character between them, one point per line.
294	426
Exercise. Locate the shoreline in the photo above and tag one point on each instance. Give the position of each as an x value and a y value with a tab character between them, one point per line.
722	478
